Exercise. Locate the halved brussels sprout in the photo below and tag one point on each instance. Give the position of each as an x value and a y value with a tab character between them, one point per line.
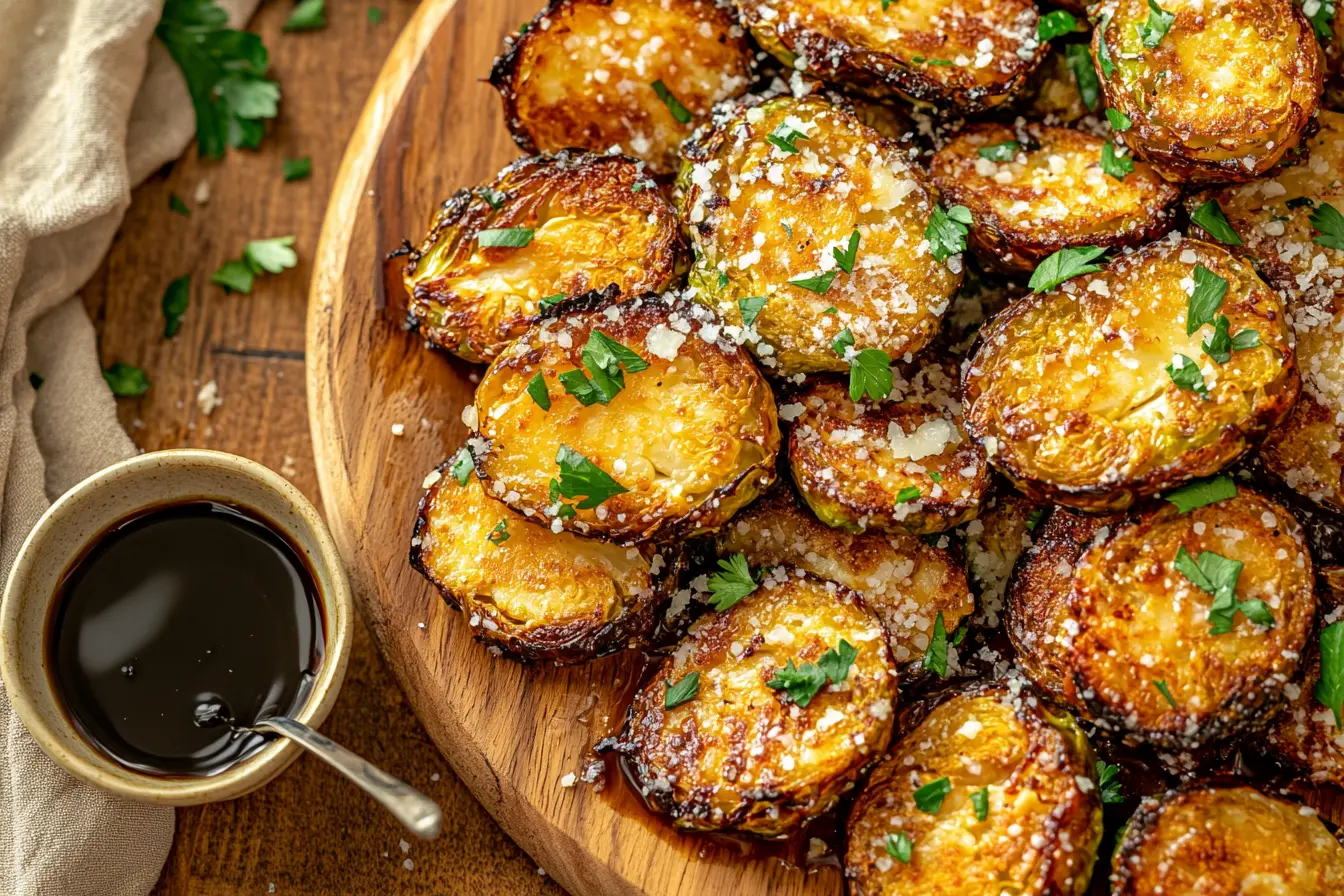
1035	190
780	198
901	465
767	712
1098	392
631	74
1215	94
534	593
1173	629
633	421
902	579
1226	841
546	227
962	56
992	793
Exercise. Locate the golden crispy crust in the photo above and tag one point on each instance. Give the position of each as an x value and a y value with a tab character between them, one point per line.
1069	392
1226	841
537	594
582	74
738	193
738	756
1101	613
961	55
1223	96
596	221
904	465
1043	827
681	478
902	579
1050	195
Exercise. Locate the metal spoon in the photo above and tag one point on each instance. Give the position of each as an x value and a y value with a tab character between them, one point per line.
411	807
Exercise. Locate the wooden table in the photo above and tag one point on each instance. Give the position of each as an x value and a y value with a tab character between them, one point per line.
308	832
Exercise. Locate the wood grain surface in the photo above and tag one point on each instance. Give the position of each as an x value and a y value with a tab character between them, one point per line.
512	732
309	833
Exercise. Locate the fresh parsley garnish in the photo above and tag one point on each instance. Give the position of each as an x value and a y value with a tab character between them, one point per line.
1329	223
946	231
1157	26
869	374
679	112
1222	344
899	846
126	381
608	361
681	692
1034	518
268	256
1064	265
1119	120
1108	783
785	138
980	803
907	494
1217	575
1185	373
499	534
176	204
297	169
562	510
929	798
307	16
935	655
463	465
1055	23
845	258
536	387
817	284
175	300
733	582
552	301
1205	300
1202	492
504	237
1330	687
843	341
1322	18
375	16
1165	691
1114	164
1079	58
1103	50
801	683
1000	152
750	306
1210	217
492	197
580	477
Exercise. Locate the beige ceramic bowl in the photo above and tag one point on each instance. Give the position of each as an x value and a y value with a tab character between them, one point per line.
91	507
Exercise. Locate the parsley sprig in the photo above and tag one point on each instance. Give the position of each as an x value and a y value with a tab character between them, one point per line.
946	231
935	655
1217	575
1065	264
801	683
733	582
581	478
869	368
1330	688
1108	782
682	692
607	361
1202	492
268	256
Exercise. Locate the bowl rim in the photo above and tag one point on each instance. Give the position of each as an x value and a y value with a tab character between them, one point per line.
104	772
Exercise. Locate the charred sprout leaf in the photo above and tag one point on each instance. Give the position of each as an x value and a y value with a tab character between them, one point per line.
307	16
946	231
234	275
1114	164
1206	299
1330	224
980	803
1157	26
499	534
1330	688
177	205
899	845
682	692
1108	782
580	477
1103	50
175	300
1165	691
845	259
733	582
785	138
1210	217
799	683
1079	59
935	655
1055	23
1203	492
929	798
1119	120
869	374
504	238
463	466
297	169
1000	152
679	112
1065	265
750	306
536	387
1185	373
126	381
225	71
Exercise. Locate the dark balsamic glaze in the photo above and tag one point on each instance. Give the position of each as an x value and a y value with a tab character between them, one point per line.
175	620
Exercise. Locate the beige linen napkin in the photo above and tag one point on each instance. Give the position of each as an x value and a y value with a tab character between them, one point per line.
89	106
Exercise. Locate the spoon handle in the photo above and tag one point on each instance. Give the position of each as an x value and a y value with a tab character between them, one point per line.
411	807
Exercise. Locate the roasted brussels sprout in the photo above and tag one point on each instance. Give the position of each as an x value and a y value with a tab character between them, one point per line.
631	74
1215	94
766	713
901	465
549	226
534	593
902	579
1038	189
1177	629
1226	841
1052	95
991	787
633	421
1272	220
1104	390
807	242
962	55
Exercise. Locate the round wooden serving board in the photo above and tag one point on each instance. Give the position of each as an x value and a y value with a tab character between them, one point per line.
431	126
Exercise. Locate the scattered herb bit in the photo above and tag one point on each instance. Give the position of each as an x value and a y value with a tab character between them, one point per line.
1203	492
679	112
1119	120
980	803
1222	344
870	374
504	237
785	138
899	846
493	198
1322	18
1034	518
723	279
1079	59
1157	26
175	300
1206	299
1210	217
960	635
935	655
1103	49
536	387
830	310
562	510
1330	688
843	341
1330	224
837	661
235	276
750	306
552	301
787	229
580	477
608	361
297	169
1185	373
682	692
801	683
935	476
499	534
920	60
1055	23
1065	265
375	16
846	258
732	583
463	466
907	494
270	255
1162	686
307	16
887	3
818	284
1000	152
1216	575
929	798
1300	202
1108	782
126	381
946	231
35	380
1114	164
177	205
1245	339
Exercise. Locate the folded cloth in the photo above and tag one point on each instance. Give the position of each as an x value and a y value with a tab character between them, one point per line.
89	106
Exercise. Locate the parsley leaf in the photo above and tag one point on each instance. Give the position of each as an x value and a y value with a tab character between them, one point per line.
225	71
499	534
1034	518
801	683
846	258
1119	120
679	112
536	387
1221	344
785	137
899	846
1165	691
175	300
1330	688
907	494
1157	26
935	655
750	306
1104	50
837	661
235	276
682	692
580	477
270	256
1330	224
1206	299
562	510
493	198
504	237
1000	152
552	301
732	583
297	169
1055	23
126	381
817	284
980	803
1114	164
1108	782
463	466
1079	59
929	798
843	340
308	15
1210	217
1203	492
1186	374
1065	265
375	16
1322	19
1216	575
1245	339
176	204
869	374
608	361
946	231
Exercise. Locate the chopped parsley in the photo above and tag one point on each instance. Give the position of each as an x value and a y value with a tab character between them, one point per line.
1064	265
1206	299
1157	26
1322	18
580	477
846	258
1185	373
899	846
980	803
268	256
463	466
843	341
499	534
870	374
1330	687
297	169
504	237
935	655
493	198
946	231
907	494
682	692
1329	223
1000	152
679	112
375	16
1113	163
1165	691
175	300
1202	492
1079	59
935	476
1119	120
1222	344
1034	518
733	582
929	798
1108	783
562	510
176	204
1055	23
1210	217
1217	575
552	301
801	683
817	284
785	138
1103	50
126	381
750	306
608	361
307	16
536	387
